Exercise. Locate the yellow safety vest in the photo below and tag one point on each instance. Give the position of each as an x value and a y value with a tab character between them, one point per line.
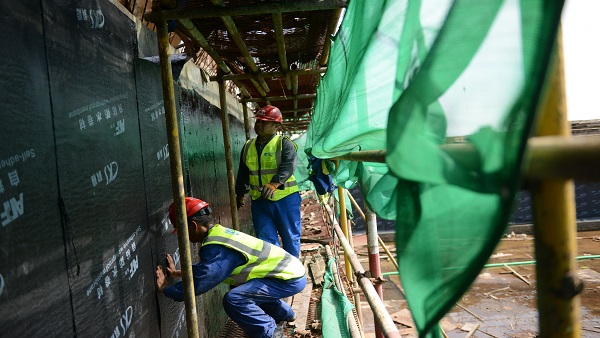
264	260
262	171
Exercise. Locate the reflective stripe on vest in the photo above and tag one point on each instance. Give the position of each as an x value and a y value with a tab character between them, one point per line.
263	170
263	259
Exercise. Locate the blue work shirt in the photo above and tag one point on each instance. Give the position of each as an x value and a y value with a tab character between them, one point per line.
217	262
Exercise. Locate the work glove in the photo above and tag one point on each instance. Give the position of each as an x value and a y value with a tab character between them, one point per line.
267	190
239	201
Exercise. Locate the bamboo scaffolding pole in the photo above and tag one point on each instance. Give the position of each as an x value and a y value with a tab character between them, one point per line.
300	121
298	72
363	156
379	312
278	25
299	110
184	12
381	243
553	202
243	89
554	157
283	98
373	249
183	241
241	45
197	37
353	280
228	155
246	121
344	222
335	17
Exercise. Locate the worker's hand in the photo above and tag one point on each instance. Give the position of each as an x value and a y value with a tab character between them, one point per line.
239	201
161	280
171	270
267	190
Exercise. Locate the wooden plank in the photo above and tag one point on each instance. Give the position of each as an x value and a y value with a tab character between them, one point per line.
301	302
317	270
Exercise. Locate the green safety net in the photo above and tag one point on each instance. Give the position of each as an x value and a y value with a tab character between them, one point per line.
334	307
449	89
301	172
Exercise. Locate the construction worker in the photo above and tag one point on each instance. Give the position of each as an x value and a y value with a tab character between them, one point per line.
262	273
266	169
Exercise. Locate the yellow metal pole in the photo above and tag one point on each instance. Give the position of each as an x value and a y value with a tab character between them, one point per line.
228	154
191	318
555	226
344	225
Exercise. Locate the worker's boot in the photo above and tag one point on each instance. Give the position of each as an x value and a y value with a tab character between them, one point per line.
278	333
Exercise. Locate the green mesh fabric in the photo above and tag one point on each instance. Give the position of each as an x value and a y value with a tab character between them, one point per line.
301	172
449	89
334	307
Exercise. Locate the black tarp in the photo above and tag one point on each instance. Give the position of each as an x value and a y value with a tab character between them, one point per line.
91	71
34	291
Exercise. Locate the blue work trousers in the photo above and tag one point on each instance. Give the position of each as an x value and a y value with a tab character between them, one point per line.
256	305
279	217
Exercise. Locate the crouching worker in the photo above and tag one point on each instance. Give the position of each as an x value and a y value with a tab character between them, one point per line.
262	273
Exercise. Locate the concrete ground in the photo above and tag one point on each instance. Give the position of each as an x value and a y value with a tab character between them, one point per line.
501	303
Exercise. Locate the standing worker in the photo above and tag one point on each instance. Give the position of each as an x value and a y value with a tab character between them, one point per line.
261	272
266	169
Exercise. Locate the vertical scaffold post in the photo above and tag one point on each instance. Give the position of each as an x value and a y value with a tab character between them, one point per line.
554	223
191	318
373	247
228	155
246	119
344	224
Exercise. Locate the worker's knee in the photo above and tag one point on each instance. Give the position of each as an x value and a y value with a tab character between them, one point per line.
231	301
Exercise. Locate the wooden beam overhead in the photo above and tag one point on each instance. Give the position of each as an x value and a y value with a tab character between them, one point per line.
299	110
282	98
241	45
195	34
296	119
185	12
299	72
330	30
278	25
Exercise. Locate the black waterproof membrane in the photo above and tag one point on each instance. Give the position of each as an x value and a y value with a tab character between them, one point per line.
157	177
205	155
85	177
204	168
90	58
34	290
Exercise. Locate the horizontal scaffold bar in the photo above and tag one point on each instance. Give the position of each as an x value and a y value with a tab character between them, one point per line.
299	72
281	98
546	157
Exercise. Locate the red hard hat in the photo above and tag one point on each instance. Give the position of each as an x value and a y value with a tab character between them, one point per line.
269	113
192	206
